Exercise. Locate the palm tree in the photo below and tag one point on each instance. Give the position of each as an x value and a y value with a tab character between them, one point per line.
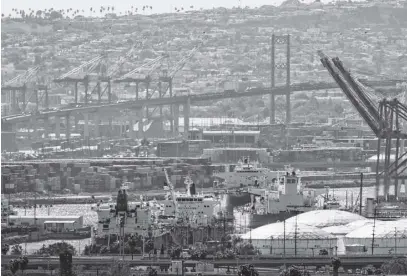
4	247
336	264
132	244
23	263
13	266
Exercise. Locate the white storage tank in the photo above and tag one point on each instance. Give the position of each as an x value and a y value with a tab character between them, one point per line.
291	239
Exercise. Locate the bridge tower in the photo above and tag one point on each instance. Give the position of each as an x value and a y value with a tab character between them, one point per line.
278	63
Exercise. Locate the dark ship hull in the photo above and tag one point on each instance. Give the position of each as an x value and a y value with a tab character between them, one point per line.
257	220
238	198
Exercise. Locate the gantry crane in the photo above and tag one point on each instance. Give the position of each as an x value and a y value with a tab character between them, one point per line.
384	119
168	76
19	84
112	72
142	74
81	74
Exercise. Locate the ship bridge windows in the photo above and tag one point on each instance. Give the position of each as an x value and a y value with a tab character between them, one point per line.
189	199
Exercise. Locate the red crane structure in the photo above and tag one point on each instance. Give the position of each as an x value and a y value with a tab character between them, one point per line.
384	118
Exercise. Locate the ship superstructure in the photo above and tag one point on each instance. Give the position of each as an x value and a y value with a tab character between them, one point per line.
246	173
189	208
284	198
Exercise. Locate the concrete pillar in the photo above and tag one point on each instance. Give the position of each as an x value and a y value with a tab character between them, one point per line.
67	127
140	118
33	123
46	128
187	107
110	127
131	127
96	121
176	119
57	127
76	118
86	126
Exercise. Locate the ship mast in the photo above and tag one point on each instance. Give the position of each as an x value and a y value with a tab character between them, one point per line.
188	182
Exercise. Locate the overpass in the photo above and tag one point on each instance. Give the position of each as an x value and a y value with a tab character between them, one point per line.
192	98
9	122
348	261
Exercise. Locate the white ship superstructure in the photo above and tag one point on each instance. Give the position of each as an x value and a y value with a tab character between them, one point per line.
190	207
287	195
246	173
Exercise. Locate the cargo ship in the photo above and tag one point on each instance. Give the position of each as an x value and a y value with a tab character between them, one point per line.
189	207
283	199
128	217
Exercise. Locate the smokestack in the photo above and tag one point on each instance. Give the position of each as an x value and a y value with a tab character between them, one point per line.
192	189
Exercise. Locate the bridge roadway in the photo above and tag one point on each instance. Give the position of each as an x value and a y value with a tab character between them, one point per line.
262	261
183	99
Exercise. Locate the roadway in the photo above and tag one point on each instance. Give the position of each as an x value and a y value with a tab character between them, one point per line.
262	261
183	99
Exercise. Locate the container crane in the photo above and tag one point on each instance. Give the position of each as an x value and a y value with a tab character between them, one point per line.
81	74
167	77
384	119
142	74
19	84
111	73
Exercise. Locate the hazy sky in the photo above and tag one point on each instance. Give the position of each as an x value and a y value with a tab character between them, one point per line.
159	6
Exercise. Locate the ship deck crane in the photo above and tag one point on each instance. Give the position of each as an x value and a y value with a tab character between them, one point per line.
19	84
172	191
383	118
81	74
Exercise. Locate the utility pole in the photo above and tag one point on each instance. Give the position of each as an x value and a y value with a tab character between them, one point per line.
284	240
360	194
373	231
295	236
395	240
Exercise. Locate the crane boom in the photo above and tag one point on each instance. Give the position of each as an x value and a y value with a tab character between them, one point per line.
24	77
363	105
92	63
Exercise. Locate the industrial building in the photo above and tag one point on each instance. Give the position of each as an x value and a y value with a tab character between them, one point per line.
342	230
325	218
379	238
234	155
72	222
283	238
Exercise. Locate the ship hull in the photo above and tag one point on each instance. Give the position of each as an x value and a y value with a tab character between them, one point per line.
260	220
238	198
